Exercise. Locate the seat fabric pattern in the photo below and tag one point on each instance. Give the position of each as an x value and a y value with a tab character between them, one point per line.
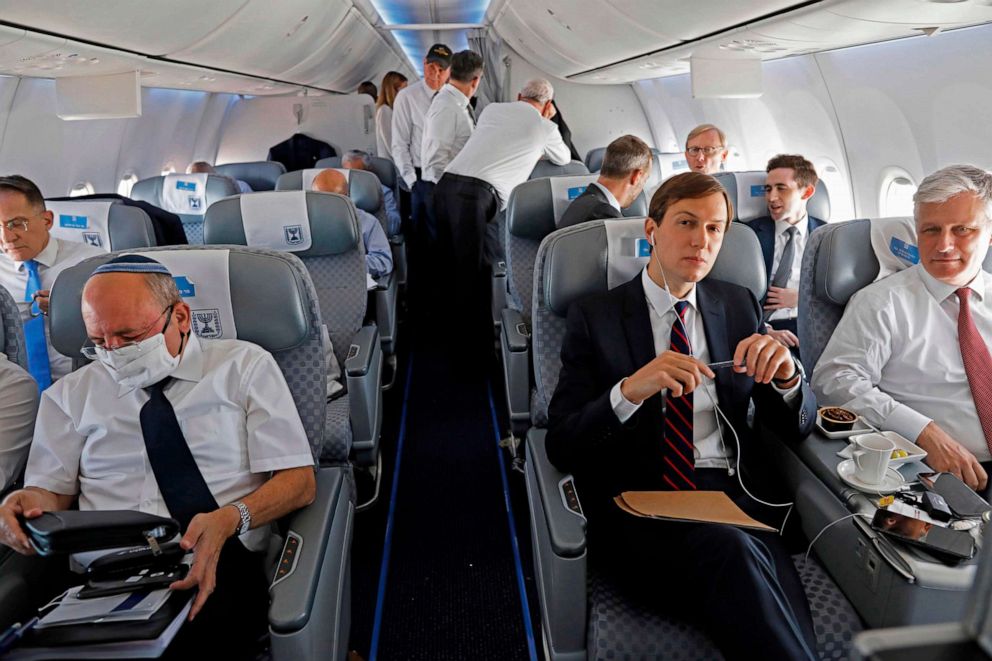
13	331
337	432
520	256
621	629
341	302
818	317
548	335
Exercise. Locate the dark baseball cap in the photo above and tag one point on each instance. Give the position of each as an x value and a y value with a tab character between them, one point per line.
439	53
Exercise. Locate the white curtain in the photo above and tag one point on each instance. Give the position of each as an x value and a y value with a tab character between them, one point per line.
496	76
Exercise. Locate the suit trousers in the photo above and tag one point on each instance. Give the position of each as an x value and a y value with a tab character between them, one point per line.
422	213
465	208
740	587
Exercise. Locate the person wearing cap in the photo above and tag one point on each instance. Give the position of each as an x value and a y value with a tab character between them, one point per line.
204	431
30	262
409	110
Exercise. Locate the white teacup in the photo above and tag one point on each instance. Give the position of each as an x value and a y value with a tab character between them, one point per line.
871	456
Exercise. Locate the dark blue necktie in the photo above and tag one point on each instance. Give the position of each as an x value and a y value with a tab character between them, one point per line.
34	331
179	478
678	468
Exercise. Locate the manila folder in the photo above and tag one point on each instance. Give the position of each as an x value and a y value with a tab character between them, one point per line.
702	506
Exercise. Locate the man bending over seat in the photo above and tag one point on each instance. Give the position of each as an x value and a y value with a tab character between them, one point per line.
626	168
911	353
630	413
204	431
378	255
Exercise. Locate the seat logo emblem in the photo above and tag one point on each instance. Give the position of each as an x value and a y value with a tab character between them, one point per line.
206	323
186	185
194	202
186	288
294	234
576	191
93	239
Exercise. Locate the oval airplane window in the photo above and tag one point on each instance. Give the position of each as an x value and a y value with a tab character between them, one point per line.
126	184
896	195
81	188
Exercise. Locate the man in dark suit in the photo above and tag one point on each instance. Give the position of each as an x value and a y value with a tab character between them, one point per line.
626	168
783	235
631	412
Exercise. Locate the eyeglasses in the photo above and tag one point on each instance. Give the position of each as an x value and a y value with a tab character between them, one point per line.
89	350
709	151
18	224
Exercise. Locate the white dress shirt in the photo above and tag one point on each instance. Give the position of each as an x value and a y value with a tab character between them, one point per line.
57	256
895	359
384	131
710	450
18	408
781	238
409	111
508	141
233	405
610	198
447	128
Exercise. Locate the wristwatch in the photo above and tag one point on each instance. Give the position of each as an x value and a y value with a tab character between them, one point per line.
800	372
245	524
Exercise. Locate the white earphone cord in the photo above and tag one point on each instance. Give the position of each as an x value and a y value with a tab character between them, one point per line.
718	413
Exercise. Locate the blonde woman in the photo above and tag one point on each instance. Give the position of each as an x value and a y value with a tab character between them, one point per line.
392	83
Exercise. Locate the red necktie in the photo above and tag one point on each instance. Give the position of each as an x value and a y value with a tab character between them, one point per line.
678	469
977	364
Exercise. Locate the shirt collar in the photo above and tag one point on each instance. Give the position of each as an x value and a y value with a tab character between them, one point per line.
781	226
661	300
46	257
614	202
190	366
941	290
456	94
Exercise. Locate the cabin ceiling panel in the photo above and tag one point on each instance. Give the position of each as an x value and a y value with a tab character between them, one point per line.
268	38
154	27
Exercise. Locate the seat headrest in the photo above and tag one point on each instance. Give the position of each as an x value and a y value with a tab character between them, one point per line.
383	168
545	168
536	206
329	222
747	193
594	158
260	175
363	187
184	194
105	224
263	292
669	163
577	261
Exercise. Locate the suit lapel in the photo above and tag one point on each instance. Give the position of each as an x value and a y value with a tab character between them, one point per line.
765	229
637	324
712	308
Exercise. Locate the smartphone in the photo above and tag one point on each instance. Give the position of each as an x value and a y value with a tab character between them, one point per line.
144	579
960	498
944	543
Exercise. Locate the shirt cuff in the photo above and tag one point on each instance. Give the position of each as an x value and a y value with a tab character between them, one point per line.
622	407
906	422
410	181
789	394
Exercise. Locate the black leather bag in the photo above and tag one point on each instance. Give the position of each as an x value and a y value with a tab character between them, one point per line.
72	531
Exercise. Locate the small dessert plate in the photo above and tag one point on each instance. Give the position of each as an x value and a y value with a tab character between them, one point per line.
913	451
892	482
859	428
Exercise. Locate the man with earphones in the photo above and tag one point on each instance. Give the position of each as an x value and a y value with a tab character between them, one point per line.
637	406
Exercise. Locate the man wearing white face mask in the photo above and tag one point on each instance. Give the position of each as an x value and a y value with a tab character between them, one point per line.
205	431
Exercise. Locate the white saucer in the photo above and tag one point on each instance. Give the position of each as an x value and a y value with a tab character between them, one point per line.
893	479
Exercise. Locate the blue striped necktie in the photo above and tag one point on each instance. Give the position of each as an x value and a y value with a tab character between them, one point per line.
34	331
678	452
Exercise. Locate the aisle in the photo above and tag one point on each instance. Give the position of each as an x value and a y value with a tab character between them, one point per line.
450	589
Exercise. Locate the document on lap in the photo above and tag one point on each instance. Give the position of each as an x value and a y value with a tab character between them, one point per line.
698	506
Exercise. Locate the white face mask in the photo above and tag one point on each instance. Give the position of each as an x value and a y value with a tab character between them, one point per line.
139	365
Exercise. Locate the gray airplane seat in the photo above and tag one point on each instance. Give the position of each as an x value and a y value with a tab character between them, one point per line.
12	330
260	175
365	192
747	193
187	196
534	210
584	613
389	177
594	158
105	224
839	260
267	298
322	230
546	168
